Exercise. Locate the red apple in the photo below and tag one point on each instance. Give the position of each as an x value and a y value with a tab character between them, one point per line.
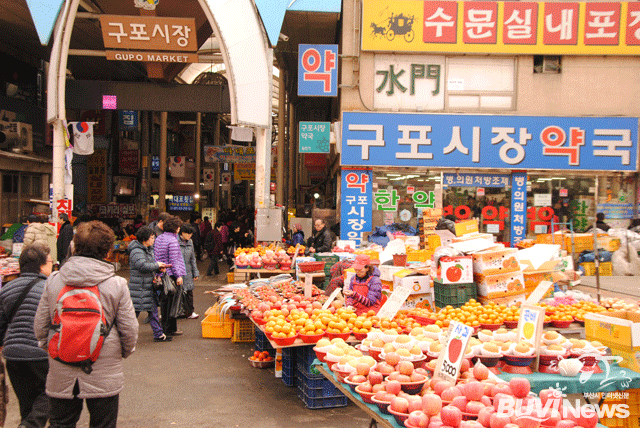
520	387
480	371
375	377
422	371
363	369
393	387
486	401
474	391
402	378
384	368
356	378
441	386
565	423
460	402
450	393
530	422
431	404
451	416
551	418
465	365
377	387
393	376
415	403
400	405
416	377
418	419
474	407
433	423
392	358
498	420
365	387
405	367
501	387
484	415
553	395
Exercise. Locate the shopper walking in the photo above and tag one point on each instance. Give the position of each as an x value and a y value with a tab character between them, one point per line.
40	232
189	256
68	386
27	364
205	228
65	236
158	225
195	238
214	248
167	250
143	270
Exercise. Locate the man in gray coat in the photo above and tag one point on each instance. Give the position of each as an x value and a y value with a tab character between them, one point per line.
27	364
68	386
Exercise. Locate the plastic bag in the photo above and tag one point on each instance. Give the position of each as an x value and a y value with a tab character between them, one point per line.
168	284
177	306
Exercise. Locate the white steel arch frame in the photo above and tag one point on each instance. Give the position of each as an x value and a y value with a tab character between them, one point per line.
247	57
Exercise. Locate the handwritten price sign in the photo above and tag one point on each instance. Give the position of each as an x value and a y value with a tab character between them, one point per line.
450	359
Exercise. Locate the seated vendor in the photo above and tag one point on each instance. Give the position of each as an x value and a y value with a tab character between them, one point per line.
364	292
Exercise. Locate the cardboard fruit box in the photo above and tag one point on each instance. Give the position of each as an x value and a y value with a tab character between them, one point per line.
453	270
491	262
619	329
508	300
500	285
418	281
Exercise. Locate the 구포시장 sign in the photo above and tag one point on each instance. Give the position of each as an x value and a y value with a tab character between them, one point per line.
483	141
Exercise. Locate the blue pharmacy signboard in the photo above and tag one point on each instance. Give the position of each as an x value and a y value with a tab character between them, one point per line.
314	137
181	203
466	141
155	163
475	180
356	200
318	70
518	207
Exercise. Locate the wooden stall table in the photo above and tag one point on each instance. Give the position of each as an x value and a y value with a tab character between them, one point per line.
377	418
249	273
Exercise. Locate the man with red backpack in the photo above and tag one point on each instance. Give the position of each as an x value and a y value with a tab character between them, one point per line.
87	322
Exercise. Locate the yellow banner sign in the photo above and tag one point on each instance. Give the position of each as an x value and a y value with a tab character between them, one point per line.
557	28
244	171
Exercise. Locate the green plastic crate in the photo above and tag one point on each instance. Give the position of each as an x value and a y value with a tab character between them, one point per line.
454	295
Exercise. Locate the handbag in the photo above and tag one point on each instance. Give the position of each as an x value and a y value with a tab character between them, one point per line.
168	284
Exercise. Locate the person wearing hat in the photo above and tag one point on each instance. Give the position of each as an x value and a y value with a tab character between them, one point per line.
364	292
298	235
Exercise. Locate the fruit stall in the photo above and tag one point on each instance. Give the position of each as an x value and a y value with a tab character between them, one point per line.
474	325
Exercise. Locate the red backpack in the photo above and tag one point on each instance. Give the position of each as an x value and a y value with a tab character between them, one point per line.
80	327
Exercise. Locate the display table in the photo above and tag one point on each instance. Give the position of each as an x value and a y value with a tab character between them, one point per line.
377	418
258	272
616	379
298	341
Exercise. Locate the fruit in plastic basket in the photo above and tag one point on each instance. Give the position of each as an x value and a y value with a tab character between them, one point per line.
393	387
418	419
459	401
363	369
474	391
451	393
480	371
451	416
405	367
431	404
498	420
375	377
484	415
400	405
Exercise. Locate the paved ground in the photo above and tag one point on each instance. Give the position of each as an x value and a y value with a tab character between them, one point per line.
203	383
193	382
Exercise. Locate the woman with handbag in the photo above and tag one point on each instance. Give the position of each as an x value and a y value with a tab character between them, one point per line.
143	275
167	250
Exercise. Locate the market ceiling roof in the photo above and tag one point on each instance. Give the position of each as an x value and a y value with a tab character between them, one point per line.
305	22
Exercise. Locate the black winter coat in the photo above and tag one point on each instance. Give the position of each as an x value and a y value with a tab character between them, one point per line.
17	337
321	241
64	240
143	267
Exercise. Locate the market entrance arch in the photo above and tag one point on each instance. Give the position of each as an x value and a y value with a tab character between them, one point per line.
245	52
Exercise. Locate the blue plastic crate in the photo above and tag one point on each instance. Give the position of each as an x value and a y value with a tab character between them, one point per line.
262	343
316	385
305	358
322	402
288	379
289	353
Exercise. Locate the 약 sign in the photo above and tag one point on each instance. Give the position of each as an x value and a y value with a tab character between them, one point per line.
318	70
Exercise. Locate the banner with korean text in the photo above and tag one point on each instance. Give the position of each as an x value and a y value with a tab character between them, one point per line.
356	204
474	141
524	28
518	207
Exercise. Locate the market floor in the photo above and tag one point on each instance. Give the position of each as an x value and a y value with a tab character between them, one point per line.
193	382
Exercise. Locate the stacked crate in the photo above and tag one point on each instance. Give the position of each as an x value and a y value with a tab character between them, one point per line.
329	260
289	366
314	389
430	240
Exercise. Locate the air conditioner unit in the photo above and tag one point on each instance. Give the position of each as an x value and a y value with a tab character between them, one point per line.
16	136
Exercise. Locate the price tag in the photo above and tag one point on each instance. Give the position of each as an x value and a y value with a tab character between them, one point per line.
530	327
450	359
395	301
331	298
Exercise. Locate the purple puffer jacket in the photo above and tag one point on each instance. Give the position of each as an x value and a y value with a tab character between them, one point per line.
167	250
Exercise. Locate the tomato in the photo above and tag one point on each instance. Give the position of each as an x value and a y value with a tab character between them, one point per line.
264	354
256	354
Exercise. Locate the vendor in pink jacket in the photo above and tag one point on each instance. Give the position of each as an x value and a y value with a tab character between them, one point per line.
364	292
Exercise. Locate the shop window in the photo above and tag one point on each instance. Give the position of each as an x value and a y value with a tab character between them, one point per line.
547	64
10	183
480	83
